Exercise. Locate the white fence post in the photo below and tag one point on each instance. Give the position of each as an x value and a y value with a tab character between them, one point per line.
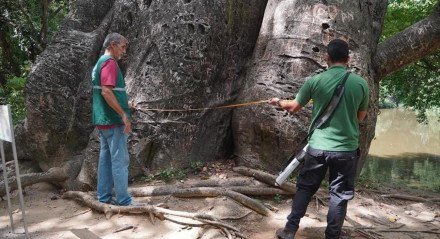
7	134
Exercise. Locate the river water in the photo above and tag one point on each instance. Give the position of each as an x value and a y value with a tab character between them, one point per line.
405	152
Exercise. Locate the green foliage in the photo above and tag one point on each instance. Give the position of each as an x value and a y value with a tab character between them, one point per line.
24	33
368	182
12	93
325	183
195	166
403	13
15	87
23	24
427	174
278	198
170	174
415	86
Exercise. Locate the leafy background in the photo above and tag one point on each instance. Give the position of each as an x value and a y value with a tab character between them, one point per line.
417	85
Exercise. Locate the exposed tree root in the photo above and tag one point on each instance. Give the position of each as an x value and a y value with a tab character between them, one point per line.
260	191
367	234
167	190
230	182
228	234
202	192
52	175
432	231
411	198
158	212
265	178
123	229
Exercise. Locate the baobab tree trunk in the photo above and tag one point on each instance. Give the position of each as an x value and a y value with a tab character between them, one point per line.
181	54
291	46
191	54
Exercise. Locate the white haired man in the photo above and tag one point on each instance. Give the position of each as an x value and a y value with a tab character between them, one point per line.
111	115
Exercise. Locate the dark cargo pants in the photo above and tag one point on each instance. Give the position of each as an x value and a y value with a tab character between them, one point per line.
342	173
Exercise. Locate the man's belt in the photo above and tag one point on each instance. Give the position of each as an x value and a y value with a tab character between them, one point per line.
98	87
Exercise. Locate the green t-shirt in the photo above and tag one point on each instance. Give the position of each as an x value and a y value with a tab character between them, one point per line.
341	131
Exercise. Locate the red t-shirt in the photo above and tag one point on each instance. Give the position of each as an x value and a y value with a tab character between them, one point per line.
109	76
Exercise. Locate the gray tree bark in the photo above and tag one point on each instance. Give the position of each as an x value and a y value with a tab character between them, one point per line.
290	48
181	54
191	54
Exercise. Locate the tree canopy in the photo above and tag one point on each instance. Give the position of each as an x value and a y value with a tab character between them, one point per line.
26	27
415	86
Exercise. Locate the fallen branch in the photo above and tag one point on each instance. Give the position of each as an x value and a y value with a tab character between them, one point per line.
235	231
260	191
150	191
228	234
77	214
159	212
202	232
410	198
123	229
202	192
52	175
367	234
189	224
362	230
433	231
236	218
265	178
399	196
230	182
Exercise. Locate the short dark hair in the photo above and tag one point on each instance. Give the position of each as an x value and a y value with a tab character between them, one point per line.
337	49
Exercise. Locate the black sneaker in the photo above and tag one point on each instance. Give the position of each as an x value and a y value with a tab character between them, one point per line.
284	233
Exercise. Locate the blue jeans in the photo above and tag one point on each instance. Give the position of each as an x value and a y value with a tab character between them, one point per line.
113	166
342	173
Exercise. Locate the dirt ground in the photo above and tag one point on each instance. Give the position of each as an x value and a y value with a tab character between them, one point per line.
369	216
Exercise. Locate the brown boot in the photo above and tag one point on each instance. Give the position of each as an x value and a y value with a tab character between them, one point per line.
284	233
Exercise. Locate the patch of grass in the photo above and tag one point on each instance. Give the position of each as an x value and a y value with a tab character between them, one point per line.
170	174
366	182
325	183
195	166
166	175
278	198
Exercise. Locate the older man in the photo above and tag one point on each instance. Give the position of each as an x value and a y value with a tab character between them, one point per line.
111	116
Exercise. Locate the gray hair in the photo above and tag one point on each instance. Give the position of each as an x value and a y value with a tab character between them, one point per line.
113	37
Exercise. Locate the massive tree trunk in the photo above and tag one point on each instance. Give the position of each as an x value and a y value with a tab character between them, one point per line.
58	88
291	47
181	54
191	54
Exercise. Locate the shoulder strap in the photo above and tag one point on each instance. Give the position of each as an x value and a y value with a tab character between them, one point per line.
328	112
337	95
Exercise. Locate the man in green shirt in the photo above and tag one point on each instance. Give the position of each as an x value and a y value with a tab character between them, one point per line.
334	145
